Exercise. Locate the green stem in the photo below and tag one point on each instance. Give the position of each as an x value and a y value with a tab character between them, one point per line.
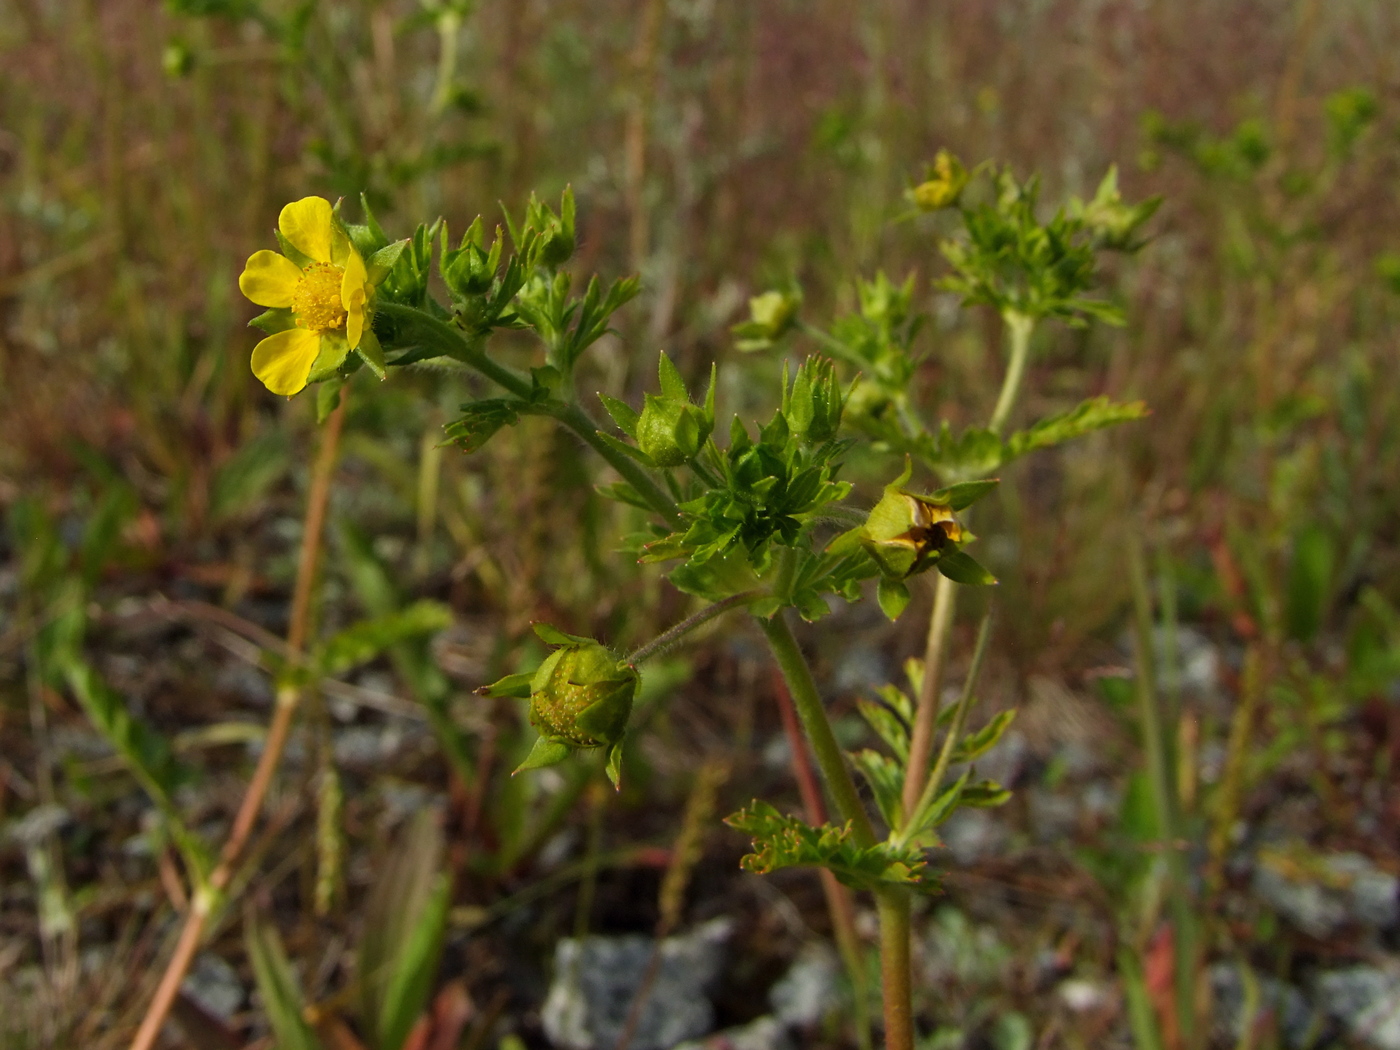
456	345
892	903
662	642
577	420
1161	777
830	758
913	814
1020	327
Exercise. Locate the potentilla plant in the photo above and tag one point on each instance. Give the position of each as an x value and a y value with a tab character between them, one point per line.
757	520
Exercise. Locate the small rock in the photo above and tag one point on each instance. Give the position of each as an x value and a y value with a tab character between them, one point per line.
1322	894
763	1033
214	985
1295	1021
1366	999
1083	996
807	992
973	834
596	979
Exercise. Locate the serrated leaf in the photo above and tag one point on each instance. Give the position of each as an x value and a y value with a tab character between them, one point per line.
975	745
363	641
886	779
984	794
783	842
961	567
893	596
1093	414
891	726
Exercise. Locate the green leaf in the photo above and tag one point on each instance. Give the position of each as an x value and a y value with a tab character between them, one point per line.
247	475
546	752
279	989
481	419
890	723
984	795
886	779
278	319
961	567
554	636
1091	415
783	842
939	809
975	745
362	642
893	596
1309	582
964	494
402	941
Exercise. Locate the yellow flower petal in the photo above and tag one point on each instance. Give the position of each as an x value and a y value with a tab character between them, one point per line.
283	361
353	296
307	224
269	279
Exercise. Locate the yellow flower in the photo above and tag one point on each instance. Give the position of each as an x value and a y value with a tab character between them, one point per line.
329	298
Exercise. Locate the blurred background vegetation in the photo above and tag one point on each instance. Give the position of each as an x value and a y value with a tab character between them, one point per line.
718	150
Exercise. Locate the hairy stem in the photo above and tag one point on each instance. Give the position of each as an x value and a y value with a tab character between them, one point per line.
892	903
940	626
945	756
831	760
1020	327
839	904
206	897
662	642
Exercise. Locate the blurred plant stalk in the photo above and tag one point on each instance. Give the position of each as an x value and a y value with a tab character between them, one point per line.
945	600
205	899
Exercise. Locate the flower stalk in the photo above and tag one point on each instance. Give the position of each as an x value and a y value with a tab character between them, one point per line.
206	898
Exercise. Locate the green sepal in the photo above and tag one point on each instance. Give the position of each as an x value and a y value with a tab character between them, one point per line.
278	319
553	636
292	252
848	542
334	350
963	568
372	354
893	596
379	265
614	766
964	494
546	752
622	414
327	397
512	685
630	451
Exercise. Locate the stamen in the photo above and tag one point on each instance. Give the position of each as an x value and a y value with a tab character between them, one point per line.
316	300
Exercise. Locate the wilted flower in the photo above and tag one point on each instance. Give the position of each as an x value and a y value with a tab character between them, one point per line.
944	185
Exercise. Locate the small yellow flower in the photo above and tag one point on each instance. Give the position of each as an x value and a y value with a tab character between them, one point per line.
329	299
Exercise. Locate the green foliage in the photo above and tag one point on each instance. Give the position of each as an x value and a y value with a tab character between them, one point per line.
771	316
1008	259
785	842
405	922
361	642
279	989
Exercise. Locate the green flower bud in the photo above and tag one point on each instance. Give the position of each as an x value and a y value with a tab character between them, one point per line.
582	695
671	432
770	316
946	178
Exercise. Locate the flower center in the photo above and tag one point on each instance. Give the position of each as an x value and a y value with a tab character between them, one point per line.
316	300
